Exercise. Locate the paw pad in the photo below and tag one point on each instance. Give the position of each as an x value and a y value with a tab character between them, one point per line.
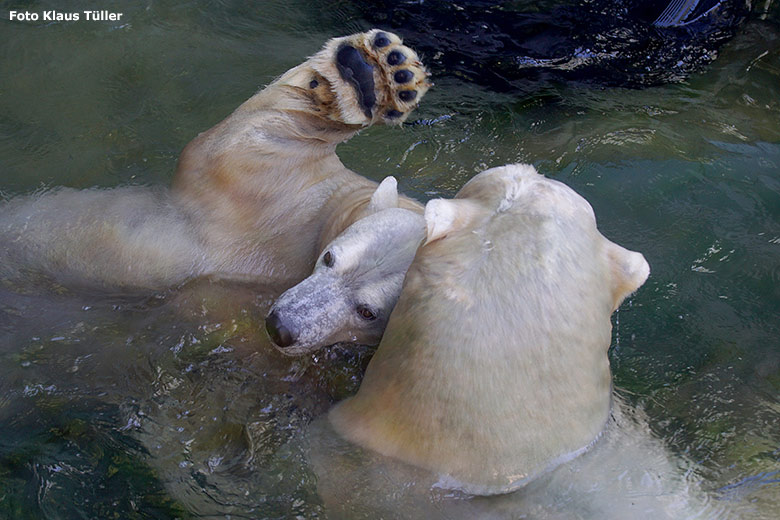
355	70
407	95
366	78
403	76
396	58
381	40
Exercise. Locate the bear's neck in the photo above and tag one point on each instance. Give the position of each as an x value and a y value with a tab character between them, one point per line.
486	421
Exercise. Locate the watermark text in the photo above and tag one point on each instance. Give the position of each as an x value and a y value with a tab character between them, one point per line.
62	16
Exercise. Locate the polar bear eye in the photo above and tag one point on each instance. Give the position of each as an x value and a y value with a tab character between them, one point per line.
327	259
366	313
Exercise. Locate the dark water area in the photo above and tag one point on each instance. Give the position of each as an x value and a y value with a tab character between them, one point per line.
518	45
174	405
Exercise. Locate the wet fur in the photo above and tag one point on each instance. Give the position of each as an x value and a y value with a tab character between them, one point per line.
368	264
253	197
493	367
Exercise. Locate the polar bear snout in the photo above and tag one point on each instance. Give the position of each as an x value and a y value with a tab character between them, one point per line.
278	331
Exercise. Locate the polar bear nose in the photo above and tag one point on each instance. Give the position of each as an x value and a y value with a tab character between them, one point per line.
279	334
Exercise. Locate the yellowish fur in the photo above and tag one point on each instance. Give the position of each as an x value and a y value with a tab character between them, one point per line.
253	197
493	367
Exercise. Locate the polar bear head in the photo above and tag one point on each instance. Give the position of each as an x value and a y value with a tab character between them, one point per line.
355	283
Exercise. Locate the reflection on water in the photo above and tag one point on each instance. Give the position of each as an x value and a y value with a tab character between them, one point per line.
175	405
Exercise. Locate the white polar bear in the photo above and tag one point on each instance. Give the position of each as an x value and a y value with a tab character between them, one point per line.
355	283
493	367
255	197
492	377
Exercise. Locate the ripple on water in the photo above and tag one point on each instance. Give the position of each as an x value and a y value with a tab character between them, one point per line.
178	405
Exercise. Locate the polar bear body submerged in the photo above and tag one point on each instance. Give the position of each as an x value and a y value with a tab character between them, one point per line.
493	367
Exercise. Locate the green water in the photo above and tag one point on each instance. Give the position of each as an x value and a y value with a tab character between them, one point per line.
114	406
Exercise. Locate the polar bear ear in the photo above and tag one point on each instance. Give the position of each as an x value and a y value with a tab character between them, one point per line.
439	219
443	216
385	196
629	272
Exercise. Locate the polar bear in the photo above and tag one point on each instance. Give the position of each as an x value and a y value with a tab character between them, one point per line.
493	368
255	197
355	284
490	393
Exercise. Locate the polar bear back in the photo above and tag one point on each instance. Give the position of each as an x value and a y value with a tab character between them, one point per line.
494	363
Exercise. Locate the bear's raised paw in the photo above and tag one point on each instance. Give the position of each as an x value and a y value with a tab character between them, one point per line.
367	78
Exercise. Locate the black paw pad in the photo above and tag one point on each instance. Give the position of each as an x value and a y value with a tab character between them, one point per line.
396	58
381	40
403	76
393	114
354	69
407	95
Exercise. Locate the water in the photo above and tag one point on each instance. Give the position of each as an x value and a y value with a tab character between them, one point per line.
174	405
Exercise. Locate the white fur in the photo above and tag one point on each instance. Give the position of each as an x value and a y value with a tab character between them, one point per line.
370	259
255	197
385	196
439	218
493	367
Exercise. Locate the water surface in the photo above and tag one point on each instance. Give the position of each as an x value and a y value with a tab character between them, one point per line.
174	405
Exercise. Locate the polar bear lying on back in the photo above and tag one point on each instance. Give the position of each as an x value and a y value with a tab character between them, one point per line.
493	367
255	197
